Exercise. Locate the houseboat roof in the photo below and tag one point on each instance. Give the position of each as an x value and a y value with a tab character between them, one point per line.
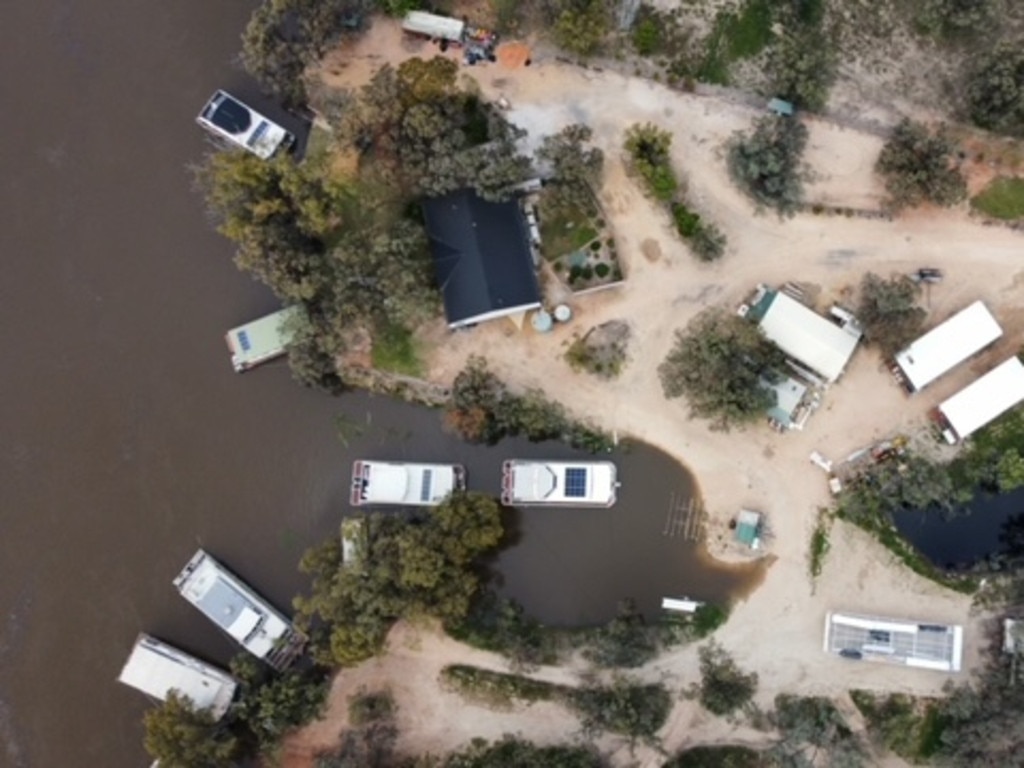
262	339
232	605
393	482
989	397
581	483
156	669
947	345
228	117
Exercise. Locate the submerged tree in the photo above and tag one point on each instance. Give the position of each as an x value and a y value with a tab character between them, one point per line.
723	364
766	163
919	166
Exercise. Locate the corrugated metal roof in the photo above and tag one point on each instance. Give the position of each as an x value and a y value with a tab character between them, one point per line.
807	337
979	403
948	344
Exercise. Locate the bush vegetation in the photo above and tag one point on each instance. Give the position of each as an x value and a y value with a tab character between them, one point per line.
181	736
635	710
648	149
416	567
920	167
889	313
813	732
995	90
729	756
724	687
502	626
819	544
581	26
511	752
911	728
802	65
735	35
483	410
365	707
721	362
497	689
766	163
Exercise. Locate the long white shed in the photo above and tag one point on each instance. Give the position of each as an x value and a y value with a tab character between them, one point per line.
993	394
947	345
156	669
807	337
434	26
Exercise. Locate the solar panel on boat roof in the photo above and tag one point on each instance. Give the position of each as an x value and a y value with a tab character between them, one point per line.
576	482
243	339
425	485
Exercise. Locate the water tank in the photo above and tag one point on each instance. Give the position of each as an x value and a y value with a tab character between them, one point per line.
541	321
563	313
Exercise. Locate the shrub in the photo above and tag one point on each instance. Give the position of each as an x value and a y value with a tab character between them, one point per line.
647	37
625	641
595	246
587	272
724	687
631	709
369	707
766	163
708	242
648	148
687	221
995	91
496	688
602	270
918	167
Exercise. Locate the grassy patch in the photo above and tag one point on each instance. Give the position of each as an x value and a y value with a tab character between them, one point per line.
1003	199
497	689
395	351
736	36
564	228
907	726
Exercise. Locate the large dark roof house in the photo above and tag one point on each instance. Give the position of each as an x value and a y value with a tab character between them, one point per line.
482	257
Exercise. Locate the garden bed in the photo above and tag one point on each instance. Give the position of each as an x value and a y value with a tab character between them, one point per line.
577	242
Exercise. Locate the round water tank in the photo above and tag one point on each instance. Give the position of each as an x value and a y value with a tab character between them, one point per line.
563	313
541	321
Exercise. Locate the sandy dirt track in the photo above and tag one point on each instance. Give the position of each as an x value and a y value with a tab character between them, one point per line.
778	630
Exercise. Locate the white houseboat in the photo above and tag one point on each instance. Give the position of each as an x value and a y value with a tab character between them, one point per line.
156	669
229	119
261	340
245	616
406	484
558	483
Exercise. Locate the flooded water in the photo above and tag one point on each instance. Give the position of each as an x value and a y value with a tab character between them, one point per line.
992	527
127	439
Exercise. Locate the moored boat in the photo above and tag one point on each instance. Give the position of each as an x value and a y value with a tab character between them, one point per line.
558	483
404	483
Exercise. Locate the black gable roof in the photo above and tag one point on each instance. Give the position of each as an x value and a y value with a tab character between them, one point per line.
481	254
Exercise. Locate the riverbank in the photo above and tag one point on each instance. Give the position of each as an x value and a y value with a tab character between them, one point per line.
777	632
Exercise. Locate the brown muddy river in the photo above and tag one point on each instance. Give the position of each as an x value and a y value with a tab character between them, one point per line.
128	440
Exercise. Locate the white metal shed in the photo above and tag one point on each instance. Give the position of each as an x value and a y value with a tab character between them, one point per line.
993	394
947	345
807	337
432	25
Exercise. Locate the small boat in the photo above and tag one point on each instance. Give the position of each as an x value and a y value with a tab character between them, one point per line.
261	340
558	483
404	483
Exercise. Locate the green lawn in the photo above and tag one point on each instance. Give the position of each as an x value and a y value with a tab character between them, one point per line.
1002	199
564	230
734	37
394	350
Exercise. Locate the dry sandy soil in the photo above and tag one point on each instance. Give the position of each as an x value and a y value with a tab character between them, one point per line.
778	630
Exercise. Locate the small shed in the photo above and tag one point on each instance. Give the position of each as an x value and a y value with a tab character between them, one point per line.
748	528
781	107
434	26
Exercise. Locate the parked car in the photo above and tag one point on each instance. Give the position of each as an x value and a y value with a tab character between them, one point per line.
927	275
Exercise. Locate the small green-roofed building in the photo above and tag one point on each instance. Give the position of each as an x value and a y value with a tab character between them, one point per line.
748	528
